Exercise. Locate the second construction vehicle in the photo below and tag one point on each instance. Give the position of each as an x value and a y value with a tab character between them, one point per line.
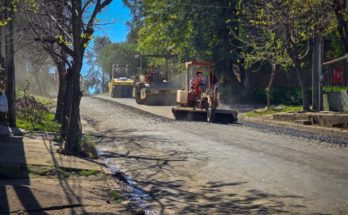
152	86
200	98
120	85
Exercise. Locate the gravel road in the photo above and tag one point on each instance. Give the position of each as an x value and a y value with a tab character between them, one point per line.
202	168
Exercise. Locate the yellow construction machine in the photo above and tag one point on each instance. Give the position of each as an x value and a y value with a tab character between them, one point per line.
120	85
199	100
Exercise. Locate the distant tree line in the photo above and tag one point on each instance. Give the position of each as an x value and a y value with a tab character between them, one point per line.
242	36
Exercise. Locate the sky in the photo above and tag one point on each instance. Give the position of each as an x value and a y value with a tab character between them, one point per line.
117	14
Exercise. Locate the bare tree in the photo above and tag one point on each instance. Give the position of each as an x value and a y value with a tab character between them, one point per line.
69	25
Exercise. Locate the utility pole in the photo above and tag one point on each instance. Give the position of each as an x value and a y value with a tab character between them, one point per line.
10	67
316	74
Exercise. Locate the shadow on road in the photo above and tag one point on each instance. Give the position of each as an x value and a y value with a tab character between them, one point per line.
14	183
167	175
16	194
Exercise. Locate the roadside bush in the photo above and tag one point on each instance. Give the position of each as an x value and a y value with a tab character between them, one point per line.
286	95
279	95
87	147
29	110
32	111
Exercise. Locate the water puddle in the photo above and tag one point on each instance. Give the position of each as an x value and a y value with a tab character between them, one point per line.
138	198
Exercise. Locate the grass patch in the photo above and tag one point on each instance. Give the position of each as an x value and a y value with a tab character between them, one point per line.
87	173
59	171
33	114
334	89
47	124
87	147
43	100
273	110
115	196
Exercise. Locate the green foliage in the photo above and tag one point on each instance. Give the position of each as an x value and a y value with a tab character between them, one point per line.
286	95
41	99
273	110
88	173
332	89
100	43
291	24
279	95
12	8
30	110
33	114
115	196
51	170
118	53
87	147
47	124
188	28
94	79
336	47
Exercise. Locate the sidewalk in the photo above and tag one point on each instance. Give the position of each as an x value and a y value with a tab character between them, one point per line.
35	179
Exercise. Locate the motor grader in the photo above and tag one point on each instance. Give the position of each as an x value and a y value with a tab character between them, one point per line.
120	85
199	100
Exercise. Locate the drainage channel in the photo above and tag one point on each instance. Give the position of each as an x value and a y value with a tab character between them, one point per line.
138	198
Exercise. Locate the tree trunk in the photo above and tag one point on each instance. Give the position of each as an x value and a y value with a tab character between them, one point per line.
75	129
102	82
61	92
67	106
305	94
244	75
268	89
10	67
342	24
3	75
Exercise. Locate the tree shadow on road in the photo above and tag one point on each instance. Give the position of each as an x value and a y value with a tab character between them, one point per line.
213	198
14	183
167	175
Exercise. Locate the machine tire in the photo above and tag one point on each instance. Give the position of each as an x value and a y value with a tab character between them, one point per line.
211	114
113	92
138	100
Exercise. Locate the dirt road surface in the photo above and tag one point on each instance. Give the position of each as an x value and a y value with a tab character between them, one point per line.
202	168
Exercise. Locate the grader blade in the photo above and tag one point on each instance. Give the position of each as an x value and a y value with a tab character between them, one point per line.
189	114
226	116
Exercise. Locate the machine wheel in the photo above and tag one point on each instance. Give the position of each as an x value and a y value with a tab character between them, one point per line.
138	100
113	92
211	114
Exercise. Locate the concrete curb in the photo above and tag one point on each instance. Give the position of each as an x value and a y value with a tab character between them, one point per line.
308	128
